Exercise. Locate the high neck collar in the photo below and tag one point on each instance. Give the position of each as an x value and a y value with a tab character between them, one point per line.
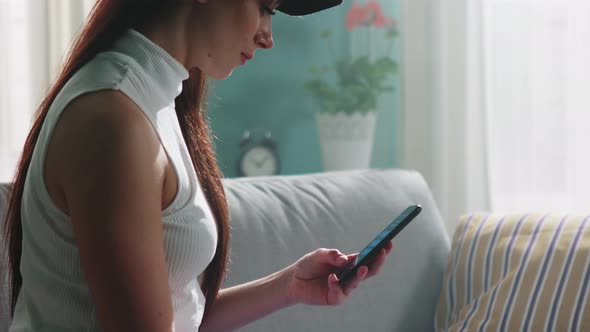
163	71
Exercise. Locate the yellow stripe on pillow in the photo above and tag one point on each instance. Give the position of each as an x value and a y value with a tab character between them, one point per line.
517	273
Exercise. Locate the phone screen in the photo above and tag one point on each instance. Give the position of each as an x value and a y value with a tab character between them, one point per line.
367	254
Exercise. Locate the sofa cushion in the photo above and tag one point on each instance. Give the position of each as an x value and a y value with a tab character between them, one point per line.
276	220
517	273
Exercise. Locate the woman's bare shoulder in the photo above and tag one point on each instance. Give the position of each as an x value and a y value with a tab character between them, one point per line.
99	136
110	108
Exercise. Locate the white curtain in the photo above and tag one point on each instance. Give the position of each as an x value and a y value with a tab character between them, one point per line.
495	108
35	35
444	123
15	73
538	69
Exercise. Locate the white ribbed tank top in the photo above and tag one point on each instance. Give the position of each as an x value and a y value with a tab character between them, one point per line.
55	294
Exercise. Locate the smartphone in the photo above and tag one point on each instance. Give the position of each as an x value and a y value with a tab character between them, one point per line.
374	247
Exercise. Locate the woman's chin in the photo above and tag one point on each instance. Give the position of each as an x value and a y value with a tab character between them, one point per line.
221	75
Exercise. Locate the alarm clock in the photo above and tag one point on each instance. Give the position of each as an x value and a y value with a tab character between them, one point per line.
259	157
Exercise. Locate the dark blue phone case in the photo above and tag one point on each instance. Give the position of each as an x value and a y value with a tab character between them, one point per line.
372	249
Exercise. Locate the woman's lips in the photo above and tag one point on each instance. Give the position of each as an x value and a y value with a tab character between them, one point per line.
245	57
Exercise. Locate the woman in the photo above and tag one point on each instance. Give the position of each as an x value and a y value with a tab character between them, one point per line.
118	203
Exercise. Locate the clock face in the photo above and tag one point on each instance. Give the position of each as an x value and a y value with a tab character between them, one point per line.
259	161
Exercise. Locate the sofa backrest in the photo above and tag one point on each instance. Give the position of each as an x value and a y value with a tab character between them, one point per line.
276	220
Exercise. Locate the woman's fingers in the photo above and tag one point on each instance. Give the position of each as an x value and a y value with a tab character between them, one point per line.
335	294
331	256
361	273
388	247
376	264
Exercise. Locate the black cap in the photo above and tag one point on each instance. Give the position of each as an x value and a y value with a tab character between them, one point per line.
304	7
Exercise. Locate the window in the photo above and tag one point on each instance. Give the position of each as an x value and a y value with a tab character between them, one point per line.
538	79
35	34
15	89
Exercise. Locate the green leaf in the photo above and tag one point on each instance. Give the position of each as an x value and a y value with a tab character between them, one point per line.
359	83
314	69
391	32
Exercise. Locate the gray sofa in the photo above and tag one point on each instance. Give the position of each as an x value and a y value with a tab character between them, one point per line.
276	220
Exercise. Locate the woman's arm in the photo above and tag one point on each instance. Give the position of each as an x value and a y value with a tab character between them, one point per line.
239	305
310	280
109	165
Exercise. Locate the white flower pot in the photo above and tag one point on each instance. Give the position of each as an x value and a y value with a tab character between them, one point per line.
346	140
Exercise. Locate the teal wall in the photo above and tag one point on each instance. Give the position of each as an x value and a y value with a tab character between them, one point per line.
268	92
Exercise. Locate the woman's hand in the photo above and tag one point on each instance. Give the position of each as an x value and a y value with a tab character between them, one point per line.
312	279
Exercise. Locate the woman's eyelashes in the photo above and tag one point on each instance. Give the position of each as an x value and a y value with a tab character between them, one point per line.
266	9
268	6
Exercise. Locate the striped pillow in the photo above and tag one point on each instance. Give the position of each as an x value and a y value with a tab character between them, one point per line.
517	273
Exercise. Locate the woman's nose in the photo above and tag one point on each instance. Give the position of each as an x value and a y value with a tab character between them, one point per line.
264	40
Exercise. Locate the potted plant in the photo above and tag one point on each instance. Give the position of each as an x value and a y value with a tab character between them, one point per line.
348	90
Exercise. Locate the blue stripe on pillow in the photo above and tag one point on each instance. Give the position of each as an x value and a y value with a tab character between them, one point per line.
487	268
504	272
523	261
565	274
489	256
469	271
451	293
532	305
582	299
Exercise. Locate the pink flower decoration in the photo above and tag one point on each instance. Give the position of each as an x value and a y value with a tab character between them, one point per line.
356	16
381	20
373	6
371	13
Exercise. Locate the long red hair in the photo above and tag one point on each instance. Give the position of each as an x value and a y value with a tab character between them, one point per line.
107	22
